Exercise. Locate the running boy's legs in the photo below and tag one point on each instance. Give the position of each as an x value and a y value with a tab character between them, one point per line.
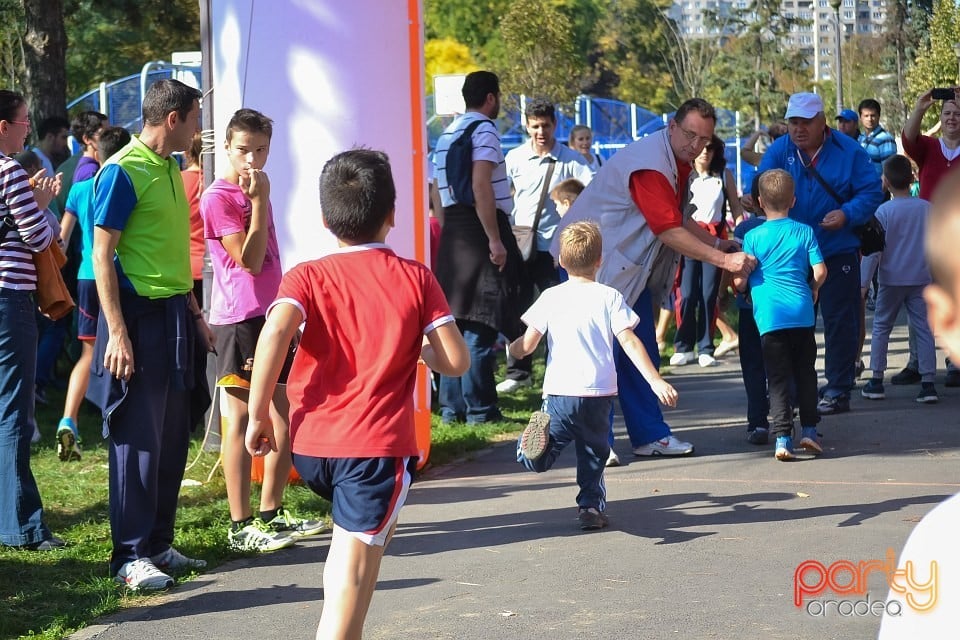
349	580
366	496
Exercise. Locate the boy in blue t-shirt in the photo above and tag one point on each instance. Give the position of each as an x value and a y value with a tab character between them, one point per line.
783	309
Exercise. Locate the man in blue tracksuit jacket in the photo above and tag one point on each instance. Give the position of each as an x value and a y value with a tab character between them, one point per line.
846	167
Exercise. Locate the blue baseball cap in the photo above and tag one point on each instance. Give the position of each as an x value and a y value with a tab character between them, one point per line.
849	115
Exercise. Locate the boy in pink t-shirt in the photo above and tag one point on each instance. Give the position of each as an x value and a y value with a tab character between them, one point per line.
238	226
368	316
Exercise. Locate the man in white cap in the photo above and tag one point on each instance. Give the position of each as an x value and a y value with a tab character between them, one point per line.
837	190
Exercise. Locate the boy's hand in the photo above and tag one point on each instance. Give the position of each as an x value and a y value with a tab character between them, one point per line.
260	439
665	392
255	184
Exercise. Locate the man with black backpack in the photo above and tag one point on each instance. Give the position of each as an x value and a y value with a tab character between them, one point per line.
478	261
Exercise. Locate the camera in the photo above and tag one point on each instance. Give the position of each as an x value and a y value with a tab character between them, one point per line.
943	93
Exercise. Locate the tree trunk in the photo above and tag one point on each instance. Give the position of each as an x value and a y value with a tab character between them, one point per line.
45	53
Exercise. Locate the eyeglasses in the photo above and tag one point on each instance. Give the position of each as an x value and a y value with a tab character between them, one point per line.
693	137
25	123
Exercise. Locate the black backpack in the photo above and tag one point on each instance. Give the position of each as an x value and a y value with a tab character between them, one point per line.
459	165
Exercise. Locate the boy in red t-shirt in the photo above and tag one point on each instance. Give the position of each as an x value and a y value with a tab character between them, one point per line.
369	316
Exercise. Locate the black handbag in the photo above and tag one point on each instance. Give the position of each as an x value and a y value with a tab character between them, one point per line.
872	235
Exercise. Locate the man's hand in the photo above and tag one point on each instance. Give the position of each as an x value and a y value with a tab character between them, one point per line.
498	253
206	335
834	220
746	201
739	263
118	357
255	184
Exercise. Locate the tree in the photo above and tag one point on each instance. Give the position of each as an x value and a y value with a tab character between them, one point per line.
904	29
44	55
446	55
108	41
936	62
627	59
543	61
475	24
750	71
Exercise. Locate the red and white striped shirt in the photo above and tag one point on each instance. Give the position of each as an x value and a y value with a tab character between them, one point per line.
30	232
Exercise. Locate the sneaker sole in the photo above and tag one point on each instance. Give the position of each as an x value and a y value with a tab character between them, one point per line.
873	395
262	549
612	462
657	452
314	531
929	400
535	436
66	442
784	455
594	525
811	445
143	587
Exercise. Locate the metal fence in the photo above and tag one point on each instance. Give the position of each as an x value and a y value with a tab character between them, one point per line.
615	124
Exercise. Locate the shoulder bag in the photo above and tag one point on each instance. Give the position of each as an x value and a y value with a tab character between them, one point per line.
527	236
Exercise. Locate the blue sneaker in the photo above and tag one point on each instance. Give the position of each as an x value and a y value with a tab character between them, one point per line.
67	438
810	440
784	448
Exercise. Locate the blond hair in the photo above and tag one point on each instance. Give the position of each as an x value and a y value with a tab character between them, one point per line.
580	247
776	190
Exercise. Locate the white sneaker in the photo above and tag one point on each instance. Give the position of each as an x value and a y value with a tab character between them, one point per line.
509	386
613	460
257	536
173	560
681	358
143	574
706	360
668	446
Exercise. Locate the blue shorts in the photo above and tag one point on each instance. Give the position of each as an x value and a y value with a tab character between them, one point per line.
366	494
88	309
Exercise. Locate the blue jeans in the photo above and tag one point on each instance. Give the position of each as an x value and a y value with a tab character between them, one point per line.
699	285
640	406
754	374
840	306
585	422
21	512
473	396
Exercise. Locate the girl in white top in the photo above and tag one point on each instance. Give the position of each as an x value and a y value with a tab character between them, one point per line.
581	140
711	187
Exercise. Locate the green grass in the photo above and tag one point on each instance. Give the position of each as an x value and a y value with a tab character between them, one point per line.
50	595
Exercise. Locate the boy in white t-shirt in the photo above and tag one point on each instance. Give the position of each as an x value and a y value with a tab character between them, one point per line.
581	319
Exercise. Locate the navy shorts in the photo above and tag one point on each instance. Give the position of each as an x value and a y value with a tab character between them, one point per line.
236	344
88	309
365	494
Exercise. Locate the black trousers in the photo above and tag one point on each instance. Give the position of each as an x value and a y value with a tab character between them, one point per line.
538	275
789	356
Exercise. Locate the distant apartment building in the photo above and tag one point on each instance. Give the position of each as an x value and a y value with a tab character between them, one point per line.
817	39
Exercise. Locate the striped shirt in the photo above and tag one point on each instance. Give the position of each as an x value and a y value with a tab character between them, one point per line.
486	146
30	232
879	145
